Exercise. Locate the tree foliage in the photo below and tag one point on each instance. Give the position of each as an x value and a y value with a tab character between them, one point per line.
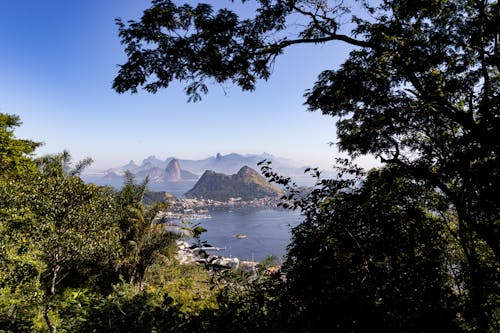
56	231
420	91
372	254
14	153
64	244
142	239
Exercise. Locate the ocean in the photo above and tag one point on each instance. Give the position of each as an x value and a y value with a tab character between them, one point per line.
266	232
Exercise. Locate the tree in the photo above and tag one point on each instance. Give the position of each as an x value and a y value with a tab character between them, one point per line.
56	231
371	256
77	226
141	238
60	241
59	165
20	265
14	153
420	91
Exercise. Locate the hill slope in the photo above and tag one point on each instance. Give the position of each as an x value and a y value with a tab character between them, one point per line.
247	184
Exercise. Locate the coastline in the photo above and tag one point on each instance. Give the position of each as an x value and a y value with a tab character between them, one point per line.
199	208
249	230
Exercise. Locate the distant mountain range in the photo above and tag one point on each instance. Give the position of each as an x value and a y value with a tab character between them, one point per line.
227	164
247	184
177	170
156	172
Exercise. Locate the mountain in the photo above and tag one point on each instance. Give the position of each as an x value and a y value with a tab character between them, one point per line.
158	171
174	173
112	176
147	164
131	166
247	184
227	164
153	161
171	173
231	163
155	174
165	171
151	197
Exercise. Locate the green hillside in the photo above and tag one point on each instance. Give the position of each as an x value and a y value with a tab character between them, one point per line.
247	184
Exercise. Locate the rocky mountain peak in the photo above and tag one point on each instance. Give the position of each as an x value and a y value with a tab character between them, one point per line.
246	171
173	170
246	184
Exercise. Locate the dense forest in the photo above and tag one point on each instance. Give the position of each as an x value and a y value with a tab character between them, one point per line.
412	246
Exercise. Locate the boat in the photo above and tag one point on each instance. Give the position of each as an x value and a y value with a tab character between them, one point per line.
212	248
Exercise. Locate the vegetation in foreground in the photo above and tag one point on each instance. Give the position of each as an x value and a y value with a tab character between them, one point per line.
410	247
415	245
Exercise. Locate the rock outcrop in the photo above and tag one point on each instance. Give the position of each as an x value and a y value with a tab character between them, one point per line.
188	254
247	184
173	171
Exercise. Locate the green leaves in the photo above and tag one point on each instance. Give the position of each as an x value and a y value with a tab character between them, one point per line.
142	240
56	232
197	231
14	153
373	248
197	44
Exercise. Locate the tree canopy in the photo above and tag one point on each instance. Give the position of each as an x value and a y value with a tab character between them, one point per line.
420	91
412	246
14	153
63	243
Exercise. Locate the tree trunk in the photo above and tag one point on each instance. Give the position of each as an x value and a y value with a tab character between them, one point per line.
52	327
48	298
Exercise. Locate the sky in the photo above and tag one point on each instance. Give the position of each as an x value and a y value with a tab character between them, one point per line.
57	64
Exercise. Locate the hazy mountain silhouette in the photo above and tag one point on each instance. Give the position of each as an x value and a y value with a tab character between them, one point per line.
174	169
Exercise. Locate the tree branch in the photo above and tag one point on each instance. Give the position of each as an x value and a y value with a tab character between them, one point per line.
334	37
316	22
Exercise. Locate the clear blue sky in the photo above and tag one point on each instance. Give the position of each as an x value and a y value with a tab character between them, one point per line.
59	58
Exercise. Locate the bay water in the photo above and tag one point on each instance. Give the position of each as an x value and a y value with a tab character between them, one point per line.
266	231
250	234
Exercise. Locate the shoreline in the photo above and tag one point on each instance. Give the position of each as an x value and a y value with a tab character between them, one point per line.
191	254
199	208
